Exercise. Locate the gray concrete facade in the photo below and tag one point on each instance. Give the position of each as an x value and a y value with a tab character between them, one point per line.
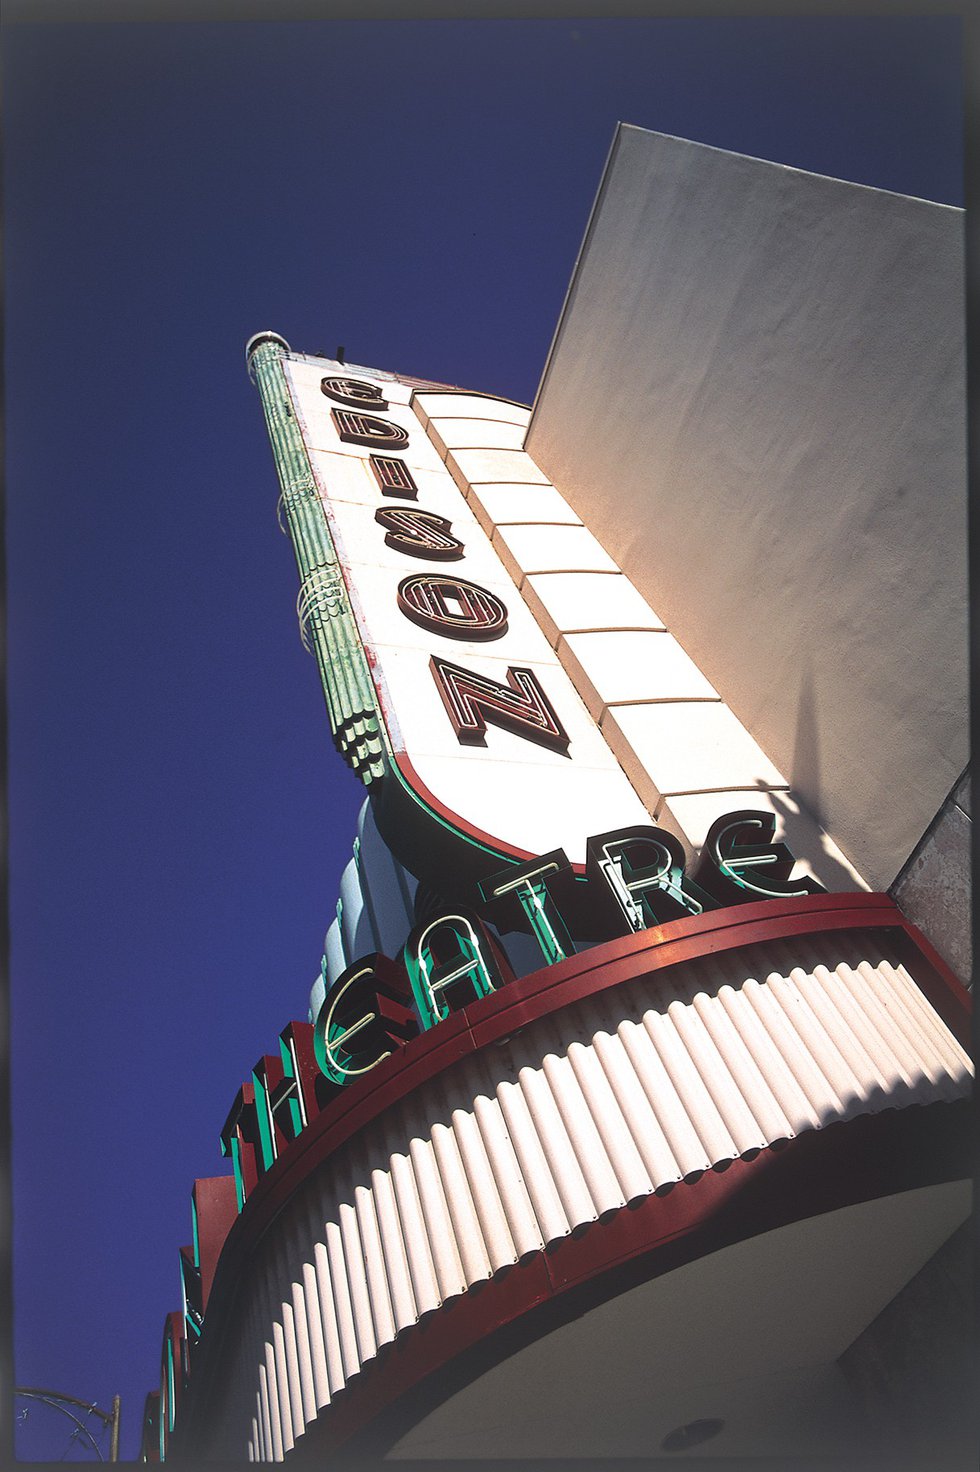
934	887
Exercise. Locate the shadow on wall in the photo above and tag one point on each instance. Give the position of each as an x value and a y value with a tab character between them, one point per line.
804	773
805	779
797	830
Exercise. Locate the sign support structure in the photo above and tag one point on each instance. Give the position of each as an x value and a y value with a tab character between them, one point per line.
323	604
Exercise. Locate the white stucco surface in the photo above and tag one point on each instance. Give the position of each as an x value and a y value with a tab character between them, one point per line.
467	406
755	400
566	602
469	466
480	434
620	659
687	746
524	794
503	505
629	666
546	548
716	1338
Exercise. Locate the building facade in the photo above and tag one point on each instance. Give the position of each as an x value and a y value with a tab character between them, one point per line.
632	1098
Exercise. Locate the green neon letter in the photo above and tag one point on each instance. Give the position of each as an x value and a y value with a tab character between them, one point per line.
441	958
641	873
363	1019
740	860
529	887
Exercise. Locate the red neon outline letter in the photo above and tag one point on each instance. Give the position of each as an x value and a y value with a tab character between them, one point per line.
419	533
453	606
520	706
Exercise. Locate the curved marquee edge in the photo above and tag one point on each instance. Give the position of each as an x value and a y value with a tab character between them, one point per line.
820	1171
525	1000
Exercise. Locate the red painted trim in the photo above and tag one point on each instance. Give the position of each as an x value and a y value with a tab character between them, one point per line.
817	1172
150	1443
525	1000
216	1204
663	946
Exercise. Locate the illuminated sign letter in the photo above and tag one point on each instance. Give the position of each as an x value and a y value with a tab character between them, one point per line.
641	873
521	706
419	533
300	1076
267	1079
394	477
190	1278
285	1090
449	962
365	429
740	861
363	1018
524	894
240	1140
354	391
448	605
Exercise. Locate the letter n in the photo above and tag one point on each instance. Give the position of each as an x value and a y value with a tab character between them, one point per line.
520	706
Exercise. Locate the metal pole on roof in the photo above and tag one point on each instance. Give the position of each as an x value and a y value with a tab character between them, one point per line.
58	1401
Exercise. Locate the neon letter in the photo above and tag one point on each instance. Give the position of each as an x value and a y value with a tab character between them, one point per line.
740	861
523	894
366	429
520	706
453	606
354	391
368	1003
419	533
394	477
641	872
444	956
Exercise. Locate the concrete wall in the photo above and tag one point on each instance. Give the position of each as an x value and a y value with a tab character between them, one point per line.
914	1369
756	401
934	887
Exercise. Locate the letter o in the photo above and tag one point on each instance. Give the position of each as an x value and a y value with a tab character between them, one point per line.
355	392
452	606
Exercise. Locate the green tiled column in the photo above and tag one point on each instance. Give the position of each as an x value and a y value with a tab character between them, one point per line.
323	605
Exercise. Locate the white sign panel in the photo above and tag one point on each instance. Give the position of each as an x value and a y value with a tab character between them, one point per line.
482	719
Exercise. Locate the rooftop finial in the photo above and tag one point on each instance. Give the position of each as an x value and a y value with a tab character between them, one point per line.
260	337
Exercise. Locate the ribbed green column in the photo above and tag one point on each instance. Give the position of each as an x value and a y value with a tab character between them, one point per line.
323	605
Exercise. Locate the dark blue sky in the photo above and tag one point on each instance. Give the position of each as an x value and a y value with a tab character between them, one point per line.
414	190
